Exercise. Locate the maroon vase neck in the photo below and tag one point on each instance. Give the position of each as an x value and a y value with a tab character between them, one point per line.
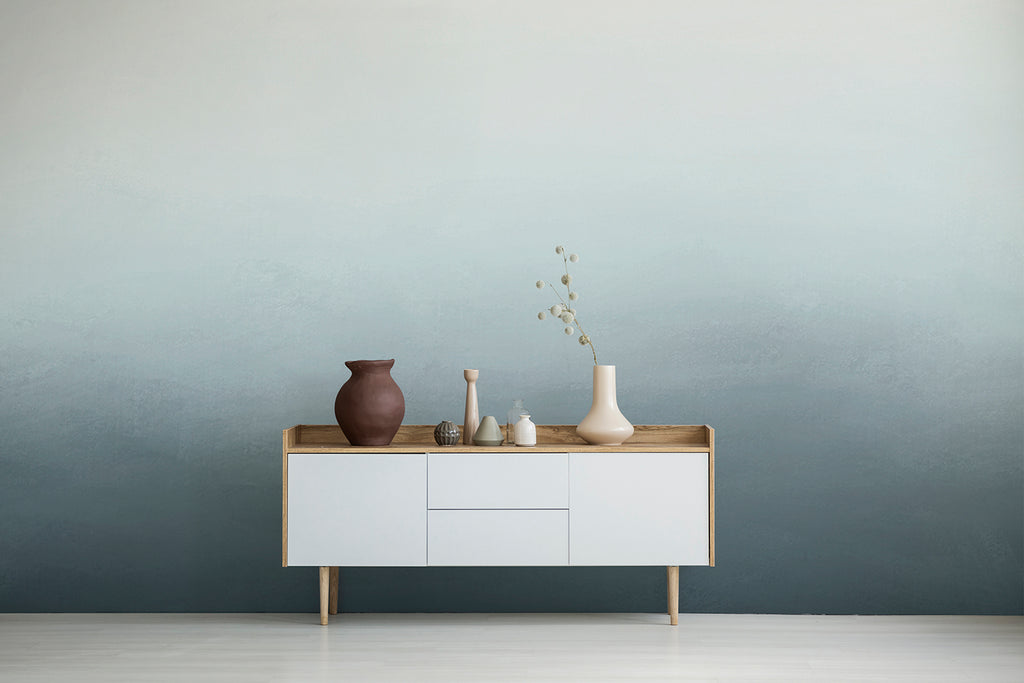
370	365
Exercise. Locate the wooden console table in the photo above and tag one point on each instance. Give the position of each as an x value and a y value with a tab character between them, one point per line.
648	502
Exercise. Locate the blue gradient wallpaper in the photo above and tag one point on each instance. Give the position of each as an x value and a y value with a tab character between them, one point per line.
799	222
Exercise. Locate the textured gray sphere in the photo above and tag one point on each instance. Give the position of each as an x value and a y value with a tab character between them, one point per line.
446	433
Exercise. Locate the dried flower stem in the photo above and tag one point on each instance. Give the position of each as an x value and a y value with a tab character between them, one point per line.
567	307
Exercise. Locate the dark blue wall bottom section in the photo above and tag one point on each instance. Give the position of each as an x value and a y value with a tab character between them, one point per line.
121	528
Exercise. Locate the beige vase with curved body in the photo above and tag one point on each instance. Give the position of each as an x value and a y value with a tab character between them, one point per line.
604	425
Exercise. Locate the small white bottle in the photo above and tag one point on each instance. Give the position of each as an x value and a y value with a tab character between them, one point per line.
526	431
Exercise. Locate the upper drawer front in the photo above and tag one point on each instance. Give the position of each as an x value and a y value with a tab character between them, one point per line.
497	481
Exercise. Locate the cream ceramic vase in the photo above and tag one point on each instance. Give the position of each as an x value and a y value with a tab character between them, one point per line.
604	425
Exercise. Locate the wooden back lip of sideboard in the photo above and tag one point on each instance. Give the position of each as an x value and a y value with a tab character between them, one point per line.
552	438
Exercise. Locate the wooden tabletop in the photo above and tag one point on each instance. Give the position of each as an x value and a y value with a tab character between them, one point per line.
554	438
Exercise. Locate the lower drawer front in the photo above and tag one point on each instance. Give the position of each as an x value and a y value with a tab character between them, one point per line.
497	538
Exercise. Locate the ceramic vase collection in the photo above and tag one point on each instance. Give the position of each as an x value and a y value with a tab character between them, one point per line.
604	425
370	406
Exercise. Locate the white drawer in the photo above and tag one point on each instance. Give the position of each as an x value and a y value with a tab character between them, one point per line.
497	538
497	481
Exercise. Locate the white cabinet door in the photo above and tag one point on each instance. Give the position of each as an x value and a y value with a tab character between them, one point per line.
638	509
349	510
498	538
498	481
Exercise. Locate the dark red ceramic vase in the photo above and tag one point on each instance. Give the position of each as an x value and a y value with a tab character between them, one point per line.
370	406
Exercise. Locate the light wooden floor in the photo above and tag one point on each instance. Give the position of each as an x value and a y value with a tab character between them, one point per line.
507	647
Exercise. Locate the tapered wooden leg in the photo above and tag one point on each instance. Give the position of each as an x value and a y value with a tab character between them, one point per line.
334	590
673	595
325	589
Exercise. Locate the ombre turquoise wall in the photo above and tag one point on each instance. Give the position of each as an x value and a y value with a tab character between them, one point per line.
799	222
